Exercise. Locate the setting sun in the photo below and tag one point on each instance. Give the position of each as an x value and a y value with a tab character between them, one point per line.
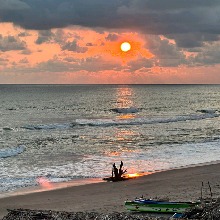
125	46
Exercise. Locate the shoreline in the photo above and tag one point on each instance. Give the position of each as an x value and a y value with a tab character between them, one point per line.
182	184
50	186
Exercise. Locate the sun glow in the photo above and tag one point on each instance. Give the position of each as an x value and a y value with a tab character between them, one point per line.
133	175
125	46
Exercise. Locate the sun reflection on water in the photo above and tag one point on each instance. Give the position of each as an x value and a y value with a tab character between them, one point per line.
44	183
124	134
124	97
125	116
124	138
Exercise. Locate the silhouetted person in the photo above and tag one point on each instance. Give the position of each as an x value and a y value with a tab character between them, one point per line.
115	171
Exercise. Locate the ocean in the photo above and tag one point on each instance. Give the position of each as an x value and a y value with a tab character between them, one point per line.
75	132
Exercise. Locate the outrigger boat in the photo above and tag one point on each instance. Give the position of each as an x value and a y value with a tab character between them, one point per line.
148	205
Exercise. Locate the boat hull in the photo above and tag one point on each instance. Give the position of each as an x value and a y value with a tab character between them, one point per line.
159	207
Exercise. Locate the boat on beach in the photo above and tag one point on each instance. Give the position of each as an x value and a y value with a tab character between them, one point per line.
157	206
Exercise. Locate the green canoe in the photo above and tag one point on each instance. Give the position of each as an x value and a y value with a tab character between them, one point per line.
148	205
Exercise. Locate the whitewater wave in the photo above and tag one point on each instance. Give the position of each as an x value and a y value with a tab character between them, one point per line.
118	121
139	121
11	152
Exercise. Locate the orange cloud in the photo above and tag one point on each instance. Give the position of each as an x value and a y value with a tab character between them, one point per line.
79	55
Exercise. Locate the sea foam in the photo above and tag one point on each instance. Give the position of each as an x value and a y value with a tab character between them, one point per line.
10	152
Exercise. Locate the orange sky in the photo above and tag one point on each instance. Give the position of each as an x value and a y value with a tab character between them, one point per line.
79	55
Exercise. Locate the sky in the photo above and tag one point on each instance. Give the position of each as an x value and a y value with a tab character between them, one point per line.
78	41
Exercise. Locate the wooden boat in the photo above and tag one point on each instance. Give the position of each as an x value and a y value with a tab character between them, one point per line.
148	205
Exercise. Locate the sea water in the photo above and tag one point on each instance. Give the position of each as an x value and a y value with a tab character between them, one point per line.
67	132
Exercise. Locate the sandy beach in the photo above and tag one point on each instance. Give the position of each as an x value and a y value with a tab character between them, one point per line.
179	184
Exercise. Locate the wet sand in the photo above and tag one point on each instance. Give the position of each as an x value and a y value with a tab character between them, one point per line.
106	197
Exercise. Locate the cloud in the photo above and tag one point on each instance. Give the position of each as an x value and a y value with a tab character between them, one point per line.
53	65
69	64
112	37
24	34
24	61
183	20
3	60
139	64
209	55
73	46
166	53
13	5
193	40
44	36
8	43
89	44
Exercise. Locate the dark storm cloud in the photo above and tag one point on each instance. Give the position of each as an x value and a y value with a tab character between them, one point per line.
13	5
167	5
188	22
47	14
209	55
166	54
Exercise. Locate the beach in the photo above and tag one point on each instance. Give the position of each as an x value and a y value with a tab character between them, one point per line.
178	185
47	145
95	126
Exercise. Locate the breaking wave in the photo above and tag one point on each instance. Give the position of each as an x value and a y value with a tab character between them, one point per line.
118	121
139	121
11	152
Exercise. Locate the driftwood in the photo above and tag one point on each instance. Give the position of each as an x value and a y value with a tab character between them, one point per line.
117	174
113	179
209	210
